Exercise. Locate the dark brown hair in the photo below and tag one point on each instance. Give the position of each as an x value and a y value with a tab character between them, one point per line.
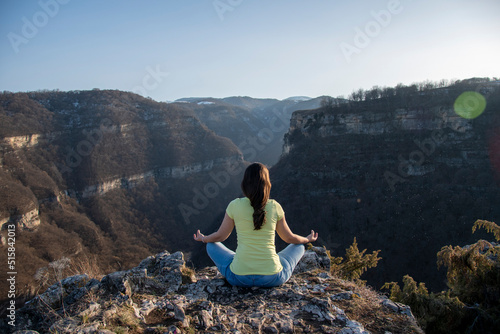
256	185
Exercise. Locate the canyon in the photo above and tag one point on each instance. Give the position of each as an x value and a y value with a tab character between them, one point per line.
116	176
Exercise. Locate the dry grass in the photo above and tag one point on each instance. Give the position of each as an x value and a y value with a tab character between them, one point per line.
365	307
367	310
86	264
188	275
125	321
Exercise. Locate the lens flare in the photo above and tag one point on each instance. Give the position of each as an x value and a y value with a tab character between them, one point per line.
470	105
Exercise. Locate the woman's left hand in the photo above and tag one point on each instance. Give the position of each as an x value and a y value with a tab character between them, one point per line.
312	237
198	236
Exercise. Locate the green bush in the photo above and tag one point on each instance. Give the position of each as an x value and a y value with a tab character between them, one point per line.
354	264
436	313
472	302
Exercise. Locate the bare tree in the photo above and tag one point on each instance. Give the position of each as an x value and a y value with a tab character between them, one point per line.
327	102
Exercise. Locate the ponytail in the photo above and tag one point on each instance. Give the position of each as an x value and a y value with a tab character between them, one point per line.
256	185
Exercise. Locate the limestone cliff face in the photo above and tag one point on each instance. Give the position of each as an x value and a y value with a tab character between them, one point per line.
403	176
377	123
176	172
18	142
161	295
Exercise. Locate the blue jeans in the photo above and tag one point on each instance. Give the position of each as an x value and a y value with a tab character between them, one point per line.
223	256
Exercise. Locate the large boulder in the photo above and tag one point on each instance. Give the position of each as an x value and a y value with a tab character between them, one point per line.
156	274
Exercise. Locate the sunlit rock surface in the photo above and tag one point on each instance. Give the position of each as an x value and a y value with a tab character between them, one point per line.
161	295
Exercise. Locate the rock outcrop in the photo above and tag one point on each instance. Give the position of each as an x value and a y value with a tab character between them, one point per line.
25	221
162	295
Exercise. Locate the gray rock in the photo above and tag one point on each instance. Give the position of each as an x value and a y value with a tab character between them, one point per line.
156	274
65	325
115	282
179	312
347	295
91	311
206	319
353	327
286	326
67	290
397	307
88	329
316	258
147	307
271	329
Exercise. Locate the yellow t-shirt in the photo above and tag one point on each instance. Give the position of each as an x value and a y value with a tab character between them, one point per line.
256	251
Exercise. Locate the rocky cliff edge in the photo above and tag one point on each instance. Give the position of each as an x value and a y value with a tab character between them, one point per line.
162	295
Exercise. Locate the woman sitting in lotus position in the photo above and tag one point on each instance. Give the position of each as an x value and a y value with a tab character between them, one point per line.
256	218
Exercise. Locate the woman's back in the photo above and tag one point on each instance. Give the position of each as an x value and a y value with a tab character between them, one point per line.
256	252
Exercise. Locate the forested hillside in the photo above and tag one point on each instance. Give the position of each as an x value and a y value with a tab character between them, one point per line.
107	177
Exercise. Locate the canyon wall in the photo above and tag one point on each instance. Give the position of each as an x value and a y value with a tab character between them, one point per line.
404	176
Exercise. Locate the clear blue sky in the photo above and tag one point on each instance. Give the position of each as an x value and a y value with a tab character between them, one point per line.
169	49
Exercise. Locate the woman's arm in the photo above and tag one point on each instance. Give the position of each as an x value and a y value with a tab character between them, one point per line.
289	237
222	233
